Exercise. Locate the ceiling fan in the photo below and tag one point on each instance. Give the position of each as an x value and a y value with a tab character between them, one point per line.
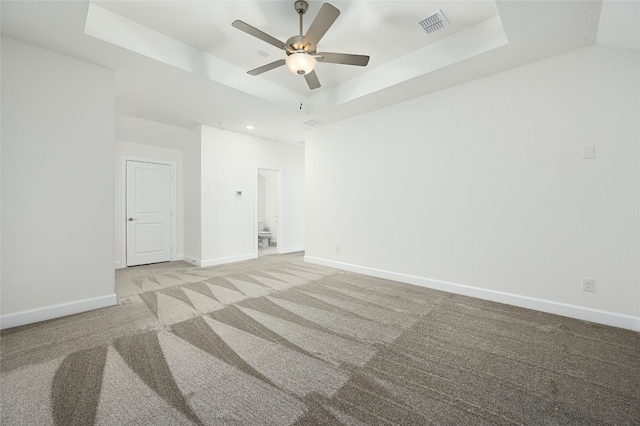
301	49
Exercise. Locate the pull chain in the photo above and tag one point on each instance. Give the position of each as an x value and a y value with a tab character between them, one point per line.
300	91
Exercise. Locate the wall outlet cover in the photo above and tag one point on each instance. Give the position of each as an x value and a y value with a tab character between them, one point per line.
588	284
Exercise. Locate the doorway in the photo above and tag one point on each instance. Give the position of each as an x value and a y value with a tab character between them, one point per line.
148	212
268	223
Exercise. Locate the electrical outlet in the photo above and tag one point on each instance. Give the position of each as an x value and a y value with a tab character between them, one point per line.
337	249
588	284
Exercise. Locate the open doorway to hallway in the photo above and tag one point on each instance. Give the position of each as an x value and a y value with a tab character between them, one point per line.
268	217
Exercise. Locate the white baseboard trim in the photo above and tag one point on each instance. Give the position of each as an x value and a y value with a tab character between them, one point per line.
572	311
56	311
203	263
290	250
192	260
230	259
173	259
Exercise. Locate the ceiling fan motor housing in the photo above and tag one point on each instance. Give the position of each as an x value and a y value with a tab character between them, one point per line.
297	43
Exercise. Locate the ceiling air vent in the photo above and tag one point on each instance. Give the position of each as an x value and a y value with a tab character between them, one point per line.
434	22
313	122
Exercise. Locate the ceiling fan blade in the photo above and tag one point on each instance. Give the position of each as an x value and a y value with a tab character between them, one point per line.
312	80
325	18
243	26
343	58
267	67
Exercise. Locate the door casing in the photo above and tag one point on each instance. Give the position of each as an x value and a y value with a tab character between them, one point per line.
279	214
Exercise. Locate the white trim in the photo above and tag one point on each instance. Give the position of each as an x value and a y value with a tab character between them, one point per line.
56	311
203	263
192	260
223	260
179	257
291	250
279	206
280	213
118	265
123	206
578	312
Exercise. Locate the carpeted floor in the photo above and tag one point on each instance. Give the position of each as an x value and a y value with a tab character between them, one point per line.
277	341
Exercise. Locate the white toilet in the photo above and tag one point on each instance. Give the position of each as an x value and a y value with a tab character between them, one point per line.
264	236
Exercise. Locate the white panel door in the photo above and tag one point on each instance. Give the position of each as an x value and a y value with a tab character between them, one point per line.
148	213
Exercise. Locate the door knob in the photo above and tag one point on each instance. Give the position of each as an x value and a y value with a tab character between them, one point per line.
132	219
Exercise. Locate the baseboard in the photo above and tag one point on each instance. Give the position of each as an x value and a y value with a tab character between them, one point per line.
175	258
230	259
56	311
203	263
290	250
191	260
572	311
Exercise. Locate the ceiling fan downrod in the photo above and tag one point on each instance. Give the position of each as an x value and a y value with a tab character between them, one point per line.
301	7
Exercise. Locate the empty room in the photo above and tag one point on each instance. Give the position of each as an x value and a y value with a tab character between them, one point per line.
310	213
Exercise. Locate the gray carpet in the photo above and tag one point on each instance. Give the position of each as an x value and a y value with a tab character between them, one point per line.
277	341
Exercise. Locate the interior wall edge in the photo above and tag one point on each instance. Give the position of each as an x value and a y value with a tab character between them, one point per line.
563	309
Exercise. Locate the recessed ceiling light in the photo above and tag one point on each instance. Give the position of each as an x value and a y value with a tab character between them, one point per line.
249	127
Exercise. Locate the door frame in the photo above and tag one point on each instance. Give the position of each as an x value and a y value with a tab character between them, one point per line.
123	205
279	208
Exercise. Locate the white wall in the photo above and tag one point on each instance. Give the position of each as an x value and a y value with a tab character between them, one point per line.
57	185
135	140
192	190
152	133
228	163
148	141
483	185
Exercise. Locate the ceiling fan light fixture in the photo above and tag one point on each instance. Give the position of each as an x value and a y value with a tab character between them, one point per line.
301	63
301	48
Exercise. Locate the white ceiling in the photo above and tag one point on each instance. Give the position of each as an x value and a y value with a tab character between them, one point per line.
207	27
182	63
